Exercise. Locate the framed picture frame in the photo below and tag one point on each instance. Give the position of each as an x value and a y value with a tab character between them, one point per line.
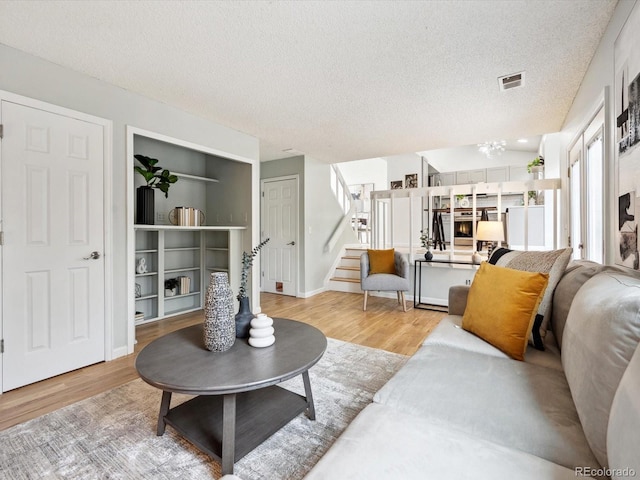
396	184
411	180
626	54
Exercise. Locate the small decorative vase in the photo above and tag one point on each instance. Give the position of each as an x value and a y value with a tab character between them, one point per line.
476	258
243	318
145	205
261	332
219	325
428	256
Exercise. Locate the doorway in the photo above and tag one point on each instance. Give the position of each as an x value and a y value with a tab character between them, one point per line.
54	168
280	224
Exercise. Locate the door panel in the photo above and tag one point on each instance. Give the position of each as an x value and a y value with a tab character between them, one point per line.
280	218
52	217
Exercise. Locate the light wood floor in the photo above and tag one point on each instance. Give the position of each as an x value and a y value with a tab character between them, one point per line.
338	315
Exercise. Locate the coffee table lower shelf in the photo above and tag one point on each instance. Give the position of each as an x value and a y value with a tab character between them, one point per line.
259	414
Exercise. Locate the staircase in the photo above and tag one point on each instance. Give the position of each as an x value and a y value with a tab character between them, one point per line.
346	277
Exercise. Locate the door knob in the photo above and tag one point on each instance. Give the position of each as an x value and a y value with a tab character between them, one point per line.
92	256
291	243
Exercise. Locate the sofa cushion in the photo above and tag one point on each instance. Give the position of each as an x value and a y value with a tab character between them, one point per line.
600	337
502	305
623	431
576	274
382	443
381	261
449	332
553	262
511	403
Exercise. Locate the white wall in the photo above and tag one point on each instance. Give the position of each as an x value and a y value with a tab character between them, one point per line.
373	170
600	74
33	77
469	158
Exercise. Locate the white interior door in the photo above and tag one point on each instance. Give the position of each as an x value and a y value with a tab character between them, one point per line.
280	225
53	305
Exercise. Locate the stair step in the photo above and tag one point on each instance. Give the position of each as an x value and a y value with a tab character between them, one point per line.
345	267
351	257
345	279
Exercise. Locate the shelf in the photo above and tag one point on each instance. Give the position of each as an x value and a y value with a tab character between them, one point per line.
185	269
181	311
146	297
182	227
217	269
190	294
198	178
182	249
148	274
217	249
138	252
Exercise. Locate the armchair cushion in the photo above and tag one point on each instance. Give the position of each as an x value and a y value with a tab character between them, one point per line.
381	261
397	280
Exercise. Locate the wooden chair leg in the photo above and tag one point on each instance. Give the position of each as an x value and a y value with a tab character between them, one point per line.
399	298
404	302
366	293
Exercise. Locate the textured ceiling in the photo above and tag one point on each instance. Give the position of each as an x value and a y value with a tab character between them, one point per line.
338	81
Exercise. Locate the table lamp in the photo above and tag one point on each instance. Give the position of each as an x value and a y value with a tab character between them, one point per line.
490	231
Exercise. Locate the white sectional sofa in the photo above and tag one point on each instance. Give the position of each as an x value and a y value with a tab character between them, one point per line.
460	408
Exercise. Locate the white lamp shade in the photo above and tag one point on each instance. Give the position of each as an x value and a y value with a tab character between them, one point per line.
490	231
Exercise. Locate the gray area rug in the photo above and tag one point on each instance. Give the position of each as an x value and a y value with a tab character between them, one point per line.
112	435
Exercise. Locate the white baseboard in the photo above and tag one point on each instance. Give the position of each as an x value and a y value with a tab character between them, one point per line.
312	292
119	352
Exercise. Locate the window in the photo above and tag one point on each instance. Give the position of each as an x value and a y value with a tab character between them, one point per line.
586	171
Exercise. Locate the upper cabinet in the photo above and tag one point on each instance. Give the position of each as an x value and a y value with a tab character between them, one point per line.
465	177
497	174
514	173
444	179
519	173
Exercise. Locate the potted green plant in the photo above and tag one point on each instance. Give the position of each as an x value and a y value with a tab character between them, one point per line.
427	243
170	287
155	177
244	315
536	165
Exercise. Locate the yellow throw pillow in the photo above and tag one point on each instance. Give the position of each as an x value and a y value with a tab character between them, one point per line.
381	261
502	305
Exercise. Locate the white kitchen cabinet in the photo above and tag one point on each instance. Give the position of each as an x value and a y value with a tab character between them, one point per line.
466	177
444	179
518	173
536	230
497	174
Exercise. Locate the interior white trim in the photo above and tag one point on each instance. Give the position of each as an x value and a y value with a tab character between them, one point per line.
131	131
295	177
107	125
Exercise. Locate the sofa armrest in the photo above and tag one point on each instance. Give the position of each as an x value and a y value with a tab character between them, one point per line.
364	266
458	299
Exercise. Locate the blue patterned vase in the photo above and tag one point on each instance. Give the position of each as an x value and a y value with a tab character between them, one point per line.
219	321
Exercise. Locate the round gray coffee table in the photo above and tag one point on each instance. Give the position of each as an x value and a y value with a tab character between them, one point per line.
238	405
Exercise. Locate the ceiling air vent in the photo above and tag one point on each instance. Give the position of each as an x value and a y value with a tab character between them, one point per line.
508	82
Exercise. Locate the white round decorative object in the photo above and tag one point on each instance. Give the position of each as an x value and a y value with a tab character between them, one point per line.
261	321
262	342
476	258
464	203
261	332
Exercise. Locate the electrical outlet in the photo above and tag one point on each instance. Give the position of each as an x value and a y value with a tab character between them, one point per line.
161	217
467	282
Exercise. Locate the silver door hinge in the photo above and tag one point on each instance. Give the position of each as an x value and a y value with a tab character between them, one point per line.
1	130
2	346
1	238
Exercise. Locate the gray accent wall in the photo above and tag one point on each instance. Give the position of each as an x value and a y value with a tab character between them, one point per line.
27	75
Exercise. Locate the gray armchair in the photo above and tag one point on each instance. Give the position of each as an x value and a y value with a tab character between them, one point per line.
398	282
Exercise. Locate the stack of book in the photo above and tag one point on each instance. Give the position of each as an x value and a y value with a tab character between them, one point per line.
185	285
139	316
